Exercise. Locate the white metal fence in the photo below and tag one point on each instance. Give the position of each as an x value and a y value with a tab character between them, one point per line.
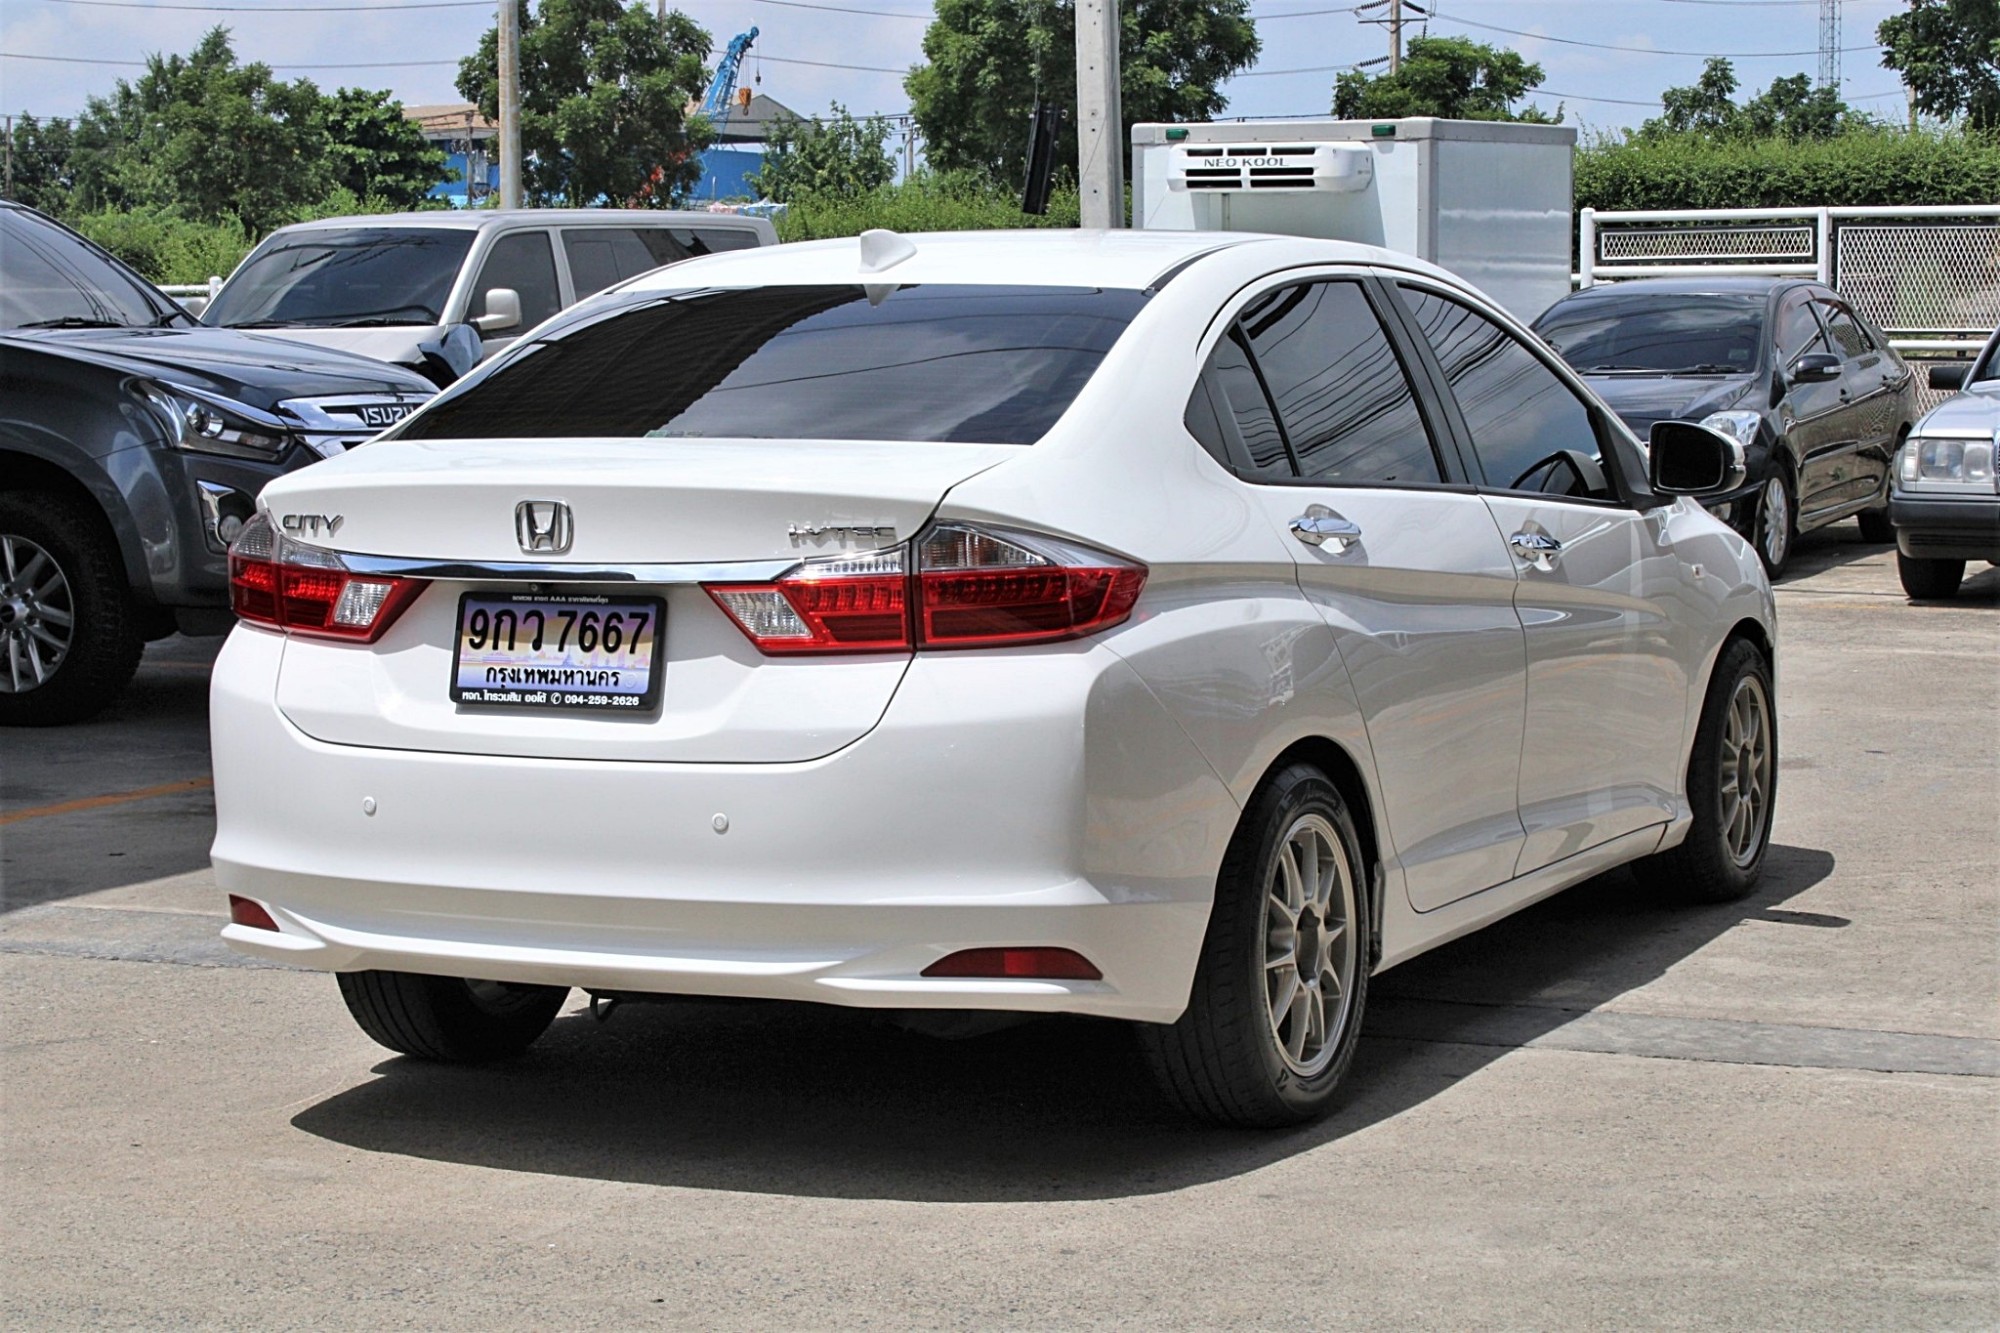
1929	277
208	289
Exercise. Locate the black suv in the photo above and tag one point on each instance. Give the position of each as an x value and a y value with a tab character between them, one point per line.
133	443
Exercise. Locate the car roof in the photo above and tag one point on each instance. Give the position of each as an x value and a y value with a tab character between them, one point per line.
1053	257
1692	285
481	218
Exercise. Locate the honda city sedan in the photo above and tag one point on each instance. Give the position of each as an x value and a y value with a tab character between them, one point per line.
1175	628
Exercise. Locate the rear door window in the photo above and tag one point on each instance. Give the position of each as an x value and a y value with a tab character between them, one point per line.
979	364
1348	410
1232	417
524	261
1798	330
1531	432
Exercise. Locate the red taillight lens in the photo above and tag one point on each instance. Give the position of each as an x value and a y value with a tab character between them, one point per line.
971	588
244	912
1041	963
305	590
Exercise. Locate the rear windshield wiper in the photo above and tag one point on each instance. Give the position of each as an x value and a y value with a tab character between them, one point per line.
74	322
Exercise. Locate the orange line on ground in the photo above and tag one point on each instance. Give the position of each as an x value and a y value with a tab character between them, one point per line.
114	798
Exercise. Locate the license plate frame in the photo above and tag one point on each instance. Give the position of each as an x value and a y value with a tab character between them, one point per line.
570	684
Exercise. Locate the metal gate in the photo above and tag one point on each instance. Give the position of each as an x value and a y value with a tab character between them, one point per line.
1929	277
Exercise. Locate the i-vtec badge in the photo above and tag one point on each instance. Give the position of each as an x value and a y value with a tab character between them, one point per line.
312	525
860	534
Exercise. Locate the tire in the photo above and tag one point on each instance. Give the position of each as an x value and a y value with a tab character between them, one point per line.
57	561
1929	580
1719	861
449	1018
1876	529
1776	525
1225	1060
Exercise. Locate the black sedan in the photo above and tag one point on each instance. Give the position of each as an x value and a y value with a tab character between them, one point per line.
1819	399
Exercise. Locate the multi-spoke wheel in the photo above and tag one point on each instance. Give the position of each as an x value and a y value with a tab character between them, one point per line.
1732	786
1275	1010
1777	521
69	634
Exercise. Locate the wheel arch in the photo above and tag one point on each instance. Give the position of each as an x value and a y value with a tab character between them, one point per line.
1344	771
31	471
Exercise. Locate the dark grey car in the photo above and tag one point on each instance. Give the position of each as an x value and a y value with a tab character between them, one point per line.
133	443
1817	396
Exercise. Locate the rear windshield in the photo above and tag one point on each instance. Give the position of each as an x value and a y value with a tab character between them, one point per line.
978	364
356	277
1653	331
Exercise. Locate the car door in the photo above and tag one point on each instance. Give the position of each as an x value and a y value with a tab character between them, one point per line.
1811	412
524	262
1306	398
1868	386
1597	582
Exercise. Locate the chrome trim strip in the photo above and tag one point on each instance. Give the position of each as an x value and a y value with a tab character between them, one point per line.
744	571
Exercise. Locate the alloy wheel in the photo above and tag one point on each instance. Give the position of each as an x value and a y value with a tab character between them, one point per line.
1777	522
1746	760
1310	951
37	615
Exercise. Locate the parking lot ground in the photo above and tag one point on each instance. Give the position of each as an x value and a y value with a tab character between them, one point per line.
1606	1111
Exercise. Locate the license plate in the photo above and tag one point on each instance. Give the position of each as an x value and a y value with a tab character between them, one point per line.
532	651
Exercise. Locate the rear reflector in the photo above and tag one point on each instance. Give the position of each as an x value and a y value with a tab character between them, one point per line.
970	587
247	913
276	581
1039	963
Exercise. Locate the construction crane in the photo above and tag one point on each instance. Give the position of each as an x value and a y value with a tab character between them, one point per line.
721	97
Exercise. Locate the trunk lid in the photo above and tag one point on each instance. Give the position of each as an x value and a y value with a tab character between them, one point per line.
657	504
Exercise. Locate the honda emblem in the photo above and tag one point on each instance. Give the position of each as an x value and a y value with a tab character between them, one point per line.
543	527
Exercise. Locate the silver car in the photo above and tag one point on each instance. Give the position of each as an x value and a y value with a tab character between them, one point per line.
438	291
1945	498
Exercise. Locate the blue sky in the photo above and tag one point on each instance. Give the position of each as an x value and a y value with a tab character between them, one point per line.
1595	84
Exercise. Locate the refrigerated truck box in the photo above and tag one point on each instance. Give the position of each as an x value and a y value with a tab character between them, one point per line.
1489	200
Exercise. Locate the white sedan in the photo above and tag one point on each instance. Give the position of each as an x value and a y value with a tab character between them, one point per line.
1168	627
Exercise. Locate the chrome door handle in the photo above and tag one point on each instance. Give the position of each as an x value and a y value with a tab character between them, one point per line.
1320	526
1538	549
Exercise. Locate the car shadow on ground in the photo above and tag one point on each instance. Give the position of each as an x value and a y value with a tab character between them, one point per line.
817	1101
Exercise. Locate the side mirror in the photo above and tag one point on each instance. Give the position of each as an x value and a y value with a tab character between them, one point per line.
194	305
1816	368
503	311
1694	460
1949	374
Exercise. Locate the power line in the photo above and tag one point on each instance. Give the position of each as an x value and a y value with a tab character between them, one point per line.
409	64
283	9
1633	50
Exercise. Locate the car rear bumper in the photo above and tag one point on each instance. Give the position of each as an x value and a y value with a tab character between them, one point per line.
1946	527
1005	800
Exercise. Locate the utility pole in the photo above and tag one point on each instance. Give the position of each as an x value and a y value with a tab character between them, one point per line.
510	103
1391	14
7	188
1395	35
1100	120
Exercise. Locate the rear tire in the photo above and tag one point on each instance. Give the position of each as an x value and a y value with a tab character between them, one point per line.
1265	1041
57	564
1929	580
1732	787
450	1018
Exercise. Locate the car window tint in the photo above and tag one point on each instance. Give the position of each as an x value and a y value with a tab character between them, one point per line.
715	240
48	277
1205	425
1846	334
1798	330
1244	400
1607	330
1522	418
525	262
601	256
333	277
1346	404
976	363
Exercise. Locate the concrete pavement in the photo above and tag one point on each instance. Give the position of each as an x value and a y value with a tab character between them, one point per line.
1606	1111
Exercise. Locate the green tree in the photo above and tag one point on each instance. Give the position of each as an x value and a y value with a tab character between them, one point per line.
1948	52
1453	77
838	157
43	169
1791	108
207	136
989	60
604	87
378	152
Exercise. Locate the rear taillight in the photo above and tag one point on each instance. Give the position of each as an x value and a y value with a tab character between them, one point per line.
956	586
302	589
1045	964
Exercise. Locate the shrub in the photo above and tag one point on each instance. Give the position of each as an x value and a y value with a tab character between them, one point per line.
167	248
1871	165
925	202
